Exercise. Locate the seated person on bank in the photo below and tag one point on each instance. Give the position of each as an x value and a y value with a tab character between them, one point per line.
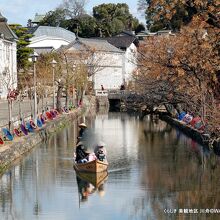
100	151
81	153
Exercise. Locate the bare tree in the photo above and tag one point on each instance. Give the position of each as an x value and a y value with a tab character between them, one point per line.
182	70
89	60
74	8
9	84
142	6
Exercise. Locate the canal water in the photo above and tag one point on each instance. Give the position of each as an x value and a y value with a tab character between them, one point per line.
155	172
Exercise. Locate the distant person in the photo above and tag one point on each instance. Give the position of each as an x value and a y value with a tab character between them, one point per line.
122	87
102	87
80	103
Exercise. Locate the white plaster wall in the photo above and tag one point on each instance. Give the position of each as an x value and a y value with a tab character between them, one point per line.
105	69
1	67
109	73
130	61
8	59
14	65
55	43
109	77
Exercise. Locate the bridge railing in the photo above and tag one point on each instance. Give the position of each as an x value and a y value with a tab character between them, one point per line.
112	93
101	92
118	94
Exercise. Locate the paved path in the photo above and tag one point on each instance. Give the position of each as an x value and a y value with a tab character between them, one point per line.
26	106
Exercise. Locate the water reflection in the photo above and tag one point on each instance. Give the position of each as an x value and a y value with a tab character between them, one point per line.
187	175
152	166
89	183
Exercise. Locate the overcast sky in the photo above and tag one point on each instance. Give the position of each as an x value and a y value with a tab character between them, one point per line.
19	11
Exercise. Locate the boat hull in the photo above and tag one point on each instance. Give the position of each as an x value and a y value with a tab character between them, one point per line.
94	166
96	179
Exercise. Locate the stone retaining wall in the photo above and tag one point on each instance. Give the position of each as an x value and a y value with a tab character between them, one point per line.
203	139
191	132
102	101
11	151
194	134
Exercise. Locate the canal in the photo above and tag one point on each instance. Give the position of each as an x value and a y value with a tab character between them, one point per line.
155	172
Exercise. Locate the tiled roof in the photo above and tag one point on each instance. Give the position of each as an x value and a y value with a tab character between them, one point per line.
54	32
121	41
5	29
126	33
38	18
2	18
43	50
96	44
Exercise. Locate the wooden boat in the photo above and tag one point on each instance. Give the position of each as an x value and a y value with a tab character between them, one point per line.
53	114
49	116
39	123
96	179
23	129
94	166
29	127
17	132
7	134
1	141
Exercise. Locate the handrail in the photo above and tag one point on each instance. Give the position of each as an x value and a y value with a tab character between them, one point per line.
101	92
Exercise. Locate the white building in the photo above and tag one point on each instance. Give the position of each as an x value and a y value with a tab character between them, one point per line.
128	43
105	61
8	58
48	38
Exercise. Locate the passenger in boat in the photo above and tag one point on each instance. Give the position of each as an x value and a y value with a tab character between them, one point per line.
92	157
78	140
81	153
83	127
100	151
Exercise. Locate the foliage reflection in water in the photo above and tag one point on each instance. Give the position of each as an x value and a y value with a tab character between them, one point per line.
152	167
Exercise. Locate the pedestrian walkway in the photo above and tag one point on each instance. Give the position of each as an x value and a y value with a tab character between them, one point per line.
25	110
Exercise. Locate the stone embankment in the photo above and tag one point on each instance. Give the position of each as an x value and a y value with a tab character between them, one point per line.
13	150
201	138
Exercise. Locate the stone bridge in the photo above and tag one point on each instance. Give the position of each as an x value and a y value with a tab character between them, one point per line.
115	98
113	93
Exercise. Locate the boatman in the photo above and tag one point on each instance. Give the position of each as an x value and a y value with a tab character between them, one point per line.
82	127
